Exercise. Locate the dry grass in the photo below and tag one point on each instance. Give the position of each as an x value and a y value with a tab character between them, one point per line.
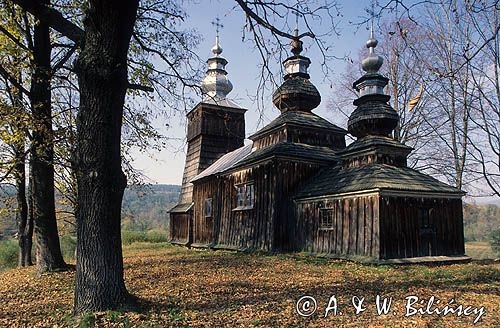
194	288
480	250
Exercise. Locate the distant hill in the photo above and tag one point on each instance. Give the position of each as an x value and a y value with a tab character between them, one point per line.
143	207
146	207
7	216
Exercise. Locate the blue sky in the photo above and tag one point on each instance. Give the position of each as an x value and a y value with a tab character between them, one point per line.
243	71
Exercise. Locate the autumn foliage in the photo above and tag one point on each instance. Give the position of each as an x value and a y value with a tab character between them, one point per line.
200	288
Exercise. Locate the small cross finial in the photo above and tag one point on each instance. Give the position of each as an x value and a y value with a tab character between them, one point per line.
372	13
218	25
296	12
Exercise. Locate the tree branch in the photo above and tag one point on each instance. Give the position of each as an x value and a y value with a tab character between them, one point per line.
6	75
54	18
265	24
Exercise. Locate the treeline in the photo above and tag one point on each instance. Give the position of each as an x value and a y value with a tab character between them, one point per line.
480	221
143	208
146	207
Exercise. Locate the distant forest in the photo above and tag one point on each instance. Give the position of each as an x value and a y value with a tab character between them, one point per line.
143	208
146	208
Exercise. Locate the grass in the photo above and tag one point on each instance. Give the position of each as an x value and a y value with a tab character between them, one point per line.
151	236
8	254
9	248
480	250
179	287
68	246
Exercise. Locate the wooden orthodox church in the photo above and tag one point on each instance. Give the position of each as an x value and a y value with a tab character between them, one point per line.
297	187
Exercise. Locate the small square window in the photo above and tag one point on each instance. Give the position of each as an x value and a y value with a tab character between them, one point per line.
208	207
245	197
327	218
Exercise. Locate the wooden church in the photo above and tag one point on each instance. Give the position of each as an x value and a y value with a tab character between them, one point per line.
297	187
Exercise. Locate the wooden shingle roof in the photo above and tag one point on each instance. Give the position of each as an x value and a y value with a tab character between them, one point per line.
335	180
374	141
297	118
245	156
225	162
291	150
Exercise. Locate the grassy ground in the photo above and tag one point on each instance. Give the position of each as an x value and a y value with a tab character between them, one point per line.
197	288
480	250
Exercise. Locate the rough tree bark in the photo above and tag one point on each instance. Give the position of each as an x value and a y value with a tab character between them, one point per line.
102	76
48	249
22	206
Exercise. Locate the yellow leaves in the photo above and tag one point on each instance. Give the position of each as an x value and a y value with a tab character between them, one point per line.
202	288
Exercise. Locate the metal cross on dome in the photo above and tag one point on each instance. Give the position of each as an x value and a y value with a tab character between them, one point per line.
218	25
297	14
372	14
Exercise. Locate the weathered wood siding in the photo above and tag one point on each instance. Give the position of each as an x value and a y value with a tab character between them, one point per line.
355	231
290	177
252	228
180	226
212	132
402	234
204	228
271	224
304	135
316	137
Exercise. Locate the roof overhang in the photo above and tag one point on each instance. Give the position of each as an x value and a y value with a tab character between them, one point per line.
383	192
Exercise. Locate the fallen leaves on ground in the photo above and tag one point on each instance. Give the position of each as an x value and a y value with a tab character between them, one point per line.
201	288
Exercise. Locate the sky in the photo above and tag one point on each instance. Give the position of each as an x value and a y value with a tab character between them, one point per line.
167	166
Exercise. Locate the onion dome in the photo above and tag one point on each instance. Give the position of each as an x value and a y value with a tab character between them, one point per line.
216	84
373	115
296	93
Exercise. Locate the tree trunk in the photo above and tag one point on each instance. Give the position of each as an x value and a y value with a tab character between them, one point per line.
22	206
102	76
25	217
18	146
48	250
30	226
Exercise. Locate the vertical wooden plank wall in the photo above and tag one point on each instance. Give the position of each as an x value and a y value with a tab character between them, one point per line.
354	232
179	227
204	227
290	176
252	228
401	231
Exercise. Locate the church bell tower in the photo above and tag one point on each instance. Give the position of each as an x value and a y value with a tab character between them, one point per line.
215	127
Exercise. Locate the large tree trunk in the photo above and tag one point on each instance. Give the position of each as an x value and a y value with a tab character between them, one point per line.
48	250
102	76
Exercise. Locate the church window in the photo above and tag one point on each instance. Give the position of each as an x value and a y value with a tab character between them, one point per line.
245	196
208	207
326	218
